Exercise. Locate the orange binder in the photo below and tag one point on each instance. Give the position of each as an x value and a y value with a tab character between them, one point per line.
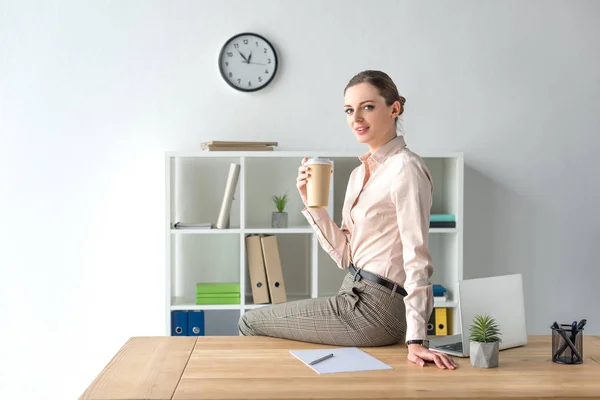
273	268
256	268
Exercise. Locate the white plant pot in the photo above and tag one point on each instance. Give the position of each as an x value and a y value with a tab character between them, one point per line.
484	355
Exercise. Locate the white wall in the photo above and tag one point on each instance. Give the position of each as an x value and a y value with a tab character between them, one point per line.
92	93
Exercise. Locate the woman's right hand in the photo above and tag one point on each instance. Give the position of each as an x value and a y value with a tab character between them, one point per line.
303	174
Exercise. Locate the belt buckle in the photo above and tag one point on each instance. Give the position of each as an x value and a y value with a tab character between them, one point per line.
357	275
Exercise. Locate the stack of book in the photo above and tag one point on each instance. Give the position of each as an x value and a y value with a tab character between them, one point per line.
439	293
224	145
442	221
218	293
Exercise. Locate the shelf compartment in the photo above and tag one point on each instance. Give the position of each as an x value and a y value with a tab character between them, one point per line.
197	186
266	177
203	258
294	253
221	322
446	174
445	256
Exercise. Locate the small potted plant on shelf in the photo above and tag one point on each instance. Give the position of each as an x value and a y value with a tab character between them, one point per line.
279	218
484	342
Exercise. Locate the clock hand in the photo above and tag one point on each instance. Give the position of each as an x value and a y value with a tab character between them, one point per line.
256	63
243	56
249	57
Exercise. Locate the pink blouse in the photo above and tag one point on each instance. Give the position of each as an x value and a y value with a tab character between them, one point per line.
385	226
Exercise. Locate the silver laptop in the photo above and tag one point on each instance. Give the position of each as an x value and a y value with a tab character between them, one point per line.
500	297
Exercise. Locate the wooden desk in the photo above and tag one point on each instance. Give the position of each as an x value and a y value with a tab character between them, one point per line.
261	368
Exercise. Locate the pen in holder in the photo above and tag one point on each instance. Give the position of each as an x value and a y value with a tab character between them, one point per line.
567	343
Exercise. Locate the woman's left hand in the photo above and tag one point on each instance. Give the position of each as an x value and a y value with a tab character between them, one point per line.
419	354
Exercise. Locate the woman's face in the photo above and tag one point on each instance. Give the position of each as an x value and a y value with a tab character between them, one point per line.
371	120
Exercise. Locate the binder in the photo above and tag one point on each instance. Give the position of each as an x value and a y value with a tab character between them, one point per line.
195	323
179	323
431	324
256	268
273	268
441	321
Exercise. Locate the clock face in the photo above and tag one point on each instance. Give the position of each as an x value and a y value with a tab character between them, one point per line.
248	62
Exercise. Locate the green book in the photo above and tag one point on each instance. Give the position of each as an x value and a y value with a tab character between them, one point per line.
218	287
218	300
208	295
442	218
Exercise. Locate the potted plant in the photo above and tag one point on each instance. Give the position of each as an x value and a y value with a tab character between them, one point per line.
484	342
279	218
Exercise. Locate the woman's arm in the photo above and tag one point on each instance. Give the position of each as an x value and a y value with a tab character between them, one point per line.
335	241
412	197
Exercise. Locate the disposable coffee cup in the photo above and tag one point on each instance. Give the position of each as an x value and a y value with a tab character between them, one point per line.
317	184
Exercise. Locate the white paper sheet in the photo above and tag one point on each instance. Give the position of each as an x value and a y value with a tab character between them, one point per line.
345	359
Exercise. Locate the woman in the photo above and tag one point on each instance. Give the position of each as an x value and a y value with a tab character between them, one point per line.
386	297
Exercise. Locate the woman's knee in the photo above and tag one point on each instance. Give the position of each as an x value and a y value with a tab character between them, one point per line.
244	325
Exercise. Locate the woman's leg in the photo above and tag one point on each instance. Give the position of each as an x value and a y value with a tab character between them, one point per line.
361	314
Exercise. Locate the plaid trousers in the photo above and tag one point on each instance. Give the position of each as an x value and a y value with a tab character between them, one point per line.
362	313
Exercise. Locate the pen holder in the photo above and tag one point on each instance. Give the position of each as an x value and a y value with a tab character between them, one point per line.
567	344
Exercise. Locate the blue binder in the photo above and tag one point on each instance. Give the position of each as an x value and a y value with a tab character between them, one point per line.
195	323
179	323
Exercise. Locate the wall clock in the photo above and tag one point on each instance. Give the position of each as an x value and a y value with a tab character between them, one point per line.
248	62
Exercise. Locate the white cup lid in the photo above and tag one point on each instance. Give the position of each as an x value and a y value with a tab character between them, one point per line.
318	160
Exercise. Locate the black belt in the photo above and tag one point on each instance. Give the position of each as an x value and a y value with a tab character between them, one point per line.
359	273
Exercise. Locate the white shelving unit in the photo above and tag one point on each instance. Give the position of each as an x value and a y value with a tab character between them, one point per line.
195	183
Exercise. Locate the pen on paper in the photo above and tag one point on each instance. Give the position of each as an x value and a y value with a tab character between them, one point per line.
318	360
